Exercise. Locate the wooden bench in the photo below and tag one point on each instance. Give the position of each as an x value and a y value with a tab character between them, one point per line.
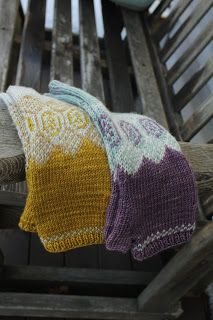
128	73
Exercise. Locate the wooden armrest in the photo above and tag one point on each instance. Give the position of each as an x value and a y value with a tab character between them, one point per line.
12	160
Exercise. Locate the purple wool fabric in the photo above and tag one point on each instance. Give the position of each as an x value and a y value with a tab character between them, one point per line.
153	204
160	215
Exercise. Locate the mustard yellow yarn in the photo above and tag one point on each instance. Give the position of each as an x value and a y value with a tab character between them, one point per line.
67	172
74	193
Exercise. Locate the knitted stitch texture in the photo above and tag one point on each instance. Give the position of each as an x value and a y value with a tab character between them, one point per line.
154	199
67	172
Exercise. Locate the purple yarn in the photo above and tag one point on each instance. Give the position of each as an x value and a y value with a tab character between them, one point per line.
154	198
165	200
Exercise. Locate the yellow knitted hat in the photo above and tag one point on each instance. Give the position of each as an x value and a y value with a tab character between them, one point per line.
67	171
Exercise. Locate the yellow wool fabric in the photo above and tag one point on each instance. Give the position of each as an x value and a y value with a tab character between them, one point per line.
67	172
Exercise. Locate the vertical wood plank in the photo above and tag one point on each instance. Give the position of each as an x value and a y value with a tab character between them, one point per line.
30	58
88	257
121	91
143	69
8	14
62	56
91	76
174	118
28	73
85	257
38	255
14	245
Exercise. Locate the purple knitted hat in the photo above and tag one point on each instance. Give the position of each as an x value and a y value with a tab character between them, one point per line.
154	199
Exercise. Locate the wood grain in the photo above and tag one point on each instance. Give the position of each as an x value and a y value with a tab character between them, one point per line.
70	276
12	168
119	80
83	307
91	76
190	54
62	55
145	78
8	14
192	86
198	119
178	276
172	43
30	58
166	24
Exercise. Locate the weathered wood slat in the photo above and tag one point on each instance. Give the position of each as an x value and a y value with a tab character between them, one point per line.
28	73
38	256
83	307
9	135
167	24
30	65
204	155
91	77
70	276
61	68
191	88
161	7
190	54
8	198
198	120
17	253
199	155
143	69
178	276
8	14
30	59
9	217
207	204
203	284
121	91
172	43
174	118
62	56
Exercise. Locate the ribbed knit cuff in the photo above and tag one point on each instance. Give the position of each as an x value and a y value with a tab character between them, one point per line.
161	241
74	239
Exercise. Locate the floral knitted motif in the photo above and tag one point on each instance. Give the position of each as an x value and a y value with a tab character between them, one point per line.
153	186
95	176
67	172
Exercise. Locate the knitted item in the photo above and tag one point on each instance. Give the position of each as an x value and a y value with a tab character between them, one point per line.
67	172
134	4
154	200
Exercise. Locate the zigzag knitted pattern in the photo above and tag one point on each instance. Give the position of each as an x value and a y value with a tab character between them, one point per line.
67	172
154	199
